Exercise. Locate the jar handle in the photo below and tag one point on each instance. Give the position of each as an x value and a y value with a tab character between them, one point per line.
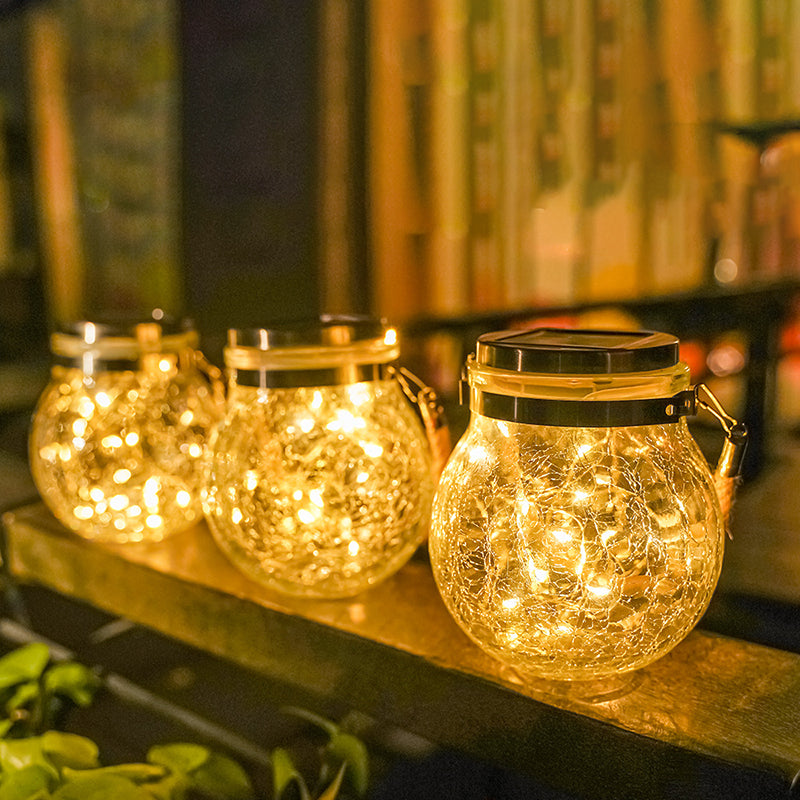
432	412
729	465
213	374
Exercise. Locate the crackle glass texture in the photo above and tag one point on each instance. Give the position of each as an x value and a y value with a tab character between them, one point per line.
576	553
320	492
119	456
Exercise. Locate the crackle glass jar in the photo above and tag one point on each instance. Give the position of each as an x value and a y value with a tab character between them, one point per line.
320	476
118	436
577	532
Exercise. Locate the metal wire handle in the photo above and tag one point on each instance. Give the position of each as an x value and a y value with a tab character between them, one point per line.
431	411
729	466
213	375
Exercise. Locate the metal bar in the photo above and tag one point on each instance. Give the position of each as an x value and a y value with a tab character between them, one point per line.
132	693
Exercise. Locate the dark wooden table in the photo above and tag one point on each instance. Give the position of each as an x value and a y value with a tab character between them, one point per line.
717	717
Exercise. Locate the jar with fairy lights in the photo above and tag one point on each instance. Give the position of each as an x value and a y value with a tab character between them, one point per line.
577	530
118	437
321	475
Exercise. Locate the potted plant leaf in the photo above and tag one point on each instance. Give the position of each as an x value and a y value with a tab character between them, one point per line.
39	762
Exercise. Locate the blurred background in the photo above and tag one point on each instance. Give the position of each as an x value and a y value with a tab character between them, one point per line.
456	166
452	165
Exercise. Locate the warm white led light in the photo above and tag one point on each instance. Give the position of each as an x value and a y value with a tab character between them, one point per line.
372	449
344	486
576	559
119	502
107	454
305	516
251	480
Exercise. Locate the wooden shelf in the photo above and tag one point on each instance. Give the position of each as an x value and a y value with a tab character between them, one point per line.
705	311
717	717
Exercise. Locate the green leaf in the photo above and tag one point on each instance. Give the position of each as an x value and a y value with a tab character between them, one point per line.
5	727
331	728
72	680
179	757
221	778
284	772
101	787
70	750
26	784
23	694
136	773
336	784
16	754
23	664
171	787
353	753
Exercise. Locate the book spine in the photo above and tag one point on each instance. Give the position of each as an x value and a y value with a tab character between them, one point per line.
615	217
772	18
449	142
564	149
397	171
6	207
340	173
124	104
737	43
54	166
486	156
792	55
519	116
685	37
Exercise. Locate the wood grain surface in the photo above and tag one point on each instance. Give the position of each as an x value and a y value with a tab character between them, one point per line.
717	717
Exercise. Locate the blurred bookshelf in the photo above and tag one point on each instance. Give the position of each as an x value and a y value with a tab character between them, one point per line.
455	166
743	343
450	165
610	164
188	158
564	153
428	160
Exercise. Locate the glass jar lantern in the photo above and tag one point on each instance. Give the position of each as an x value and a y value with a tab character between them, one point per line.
577	531
118	436
320	477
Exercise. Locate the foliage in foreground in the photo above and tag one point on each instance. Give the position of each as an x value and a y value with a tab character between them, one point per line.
40	763
344	760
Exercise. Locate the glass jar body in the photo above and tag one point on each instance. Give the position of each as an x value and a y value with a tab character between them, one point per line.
118	455
576	553
319	491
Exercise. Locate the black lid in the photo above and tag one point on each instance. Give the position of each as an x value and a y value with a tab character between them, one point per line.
328	329
562	351
123	325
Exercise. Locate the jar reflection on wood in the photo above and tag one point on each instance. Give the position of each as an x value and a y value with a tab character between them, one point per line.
576	530
118	437
320	478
